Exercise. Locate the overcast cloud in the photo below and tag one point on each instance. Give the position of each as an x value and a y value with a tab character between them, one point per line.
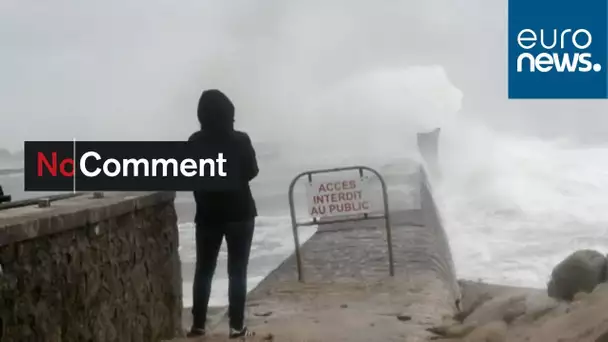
117	69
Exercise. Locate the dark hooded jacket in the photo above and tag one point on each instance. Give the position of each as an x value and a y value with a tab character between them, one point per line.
216	116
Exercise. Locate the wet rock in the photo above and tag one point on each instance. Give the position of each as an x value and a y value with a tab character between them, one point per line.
490	332
539	305
581	271
502	308
600	292
580	296
602	338
605	279
404	318
457	330
467	309
586	321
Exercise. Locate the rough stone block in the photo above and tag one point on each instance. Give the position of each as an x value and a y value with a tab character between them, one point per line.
113	277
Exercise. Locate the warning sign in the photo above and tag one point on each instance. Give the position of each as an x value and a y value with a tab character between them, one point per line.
338	197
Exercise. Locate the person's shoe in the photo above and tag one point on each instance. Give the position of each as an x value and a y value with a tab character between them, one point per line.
196	332
240	333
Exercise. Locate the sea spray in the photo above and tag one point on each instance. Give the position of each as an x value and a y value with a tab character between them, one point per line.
515	206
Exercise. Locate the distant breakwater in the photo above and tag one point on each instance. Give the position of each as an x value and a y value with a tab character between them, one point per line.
7	171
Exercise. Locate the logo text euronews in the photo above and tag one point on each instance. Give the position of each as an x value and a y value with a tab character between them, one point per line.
555	43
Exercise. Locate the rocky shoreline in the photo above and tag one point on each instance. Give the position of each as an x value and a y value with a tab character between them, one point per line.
571	309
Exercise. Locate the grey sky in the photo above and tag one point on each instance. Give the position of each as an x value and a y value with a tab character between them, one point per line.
134	69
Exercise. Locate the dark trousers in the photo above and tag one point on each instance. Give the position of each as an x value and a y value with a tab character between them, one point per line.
208	242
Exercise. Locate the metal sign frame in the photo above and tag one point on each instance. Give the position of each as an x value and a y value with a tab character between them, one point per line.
295	224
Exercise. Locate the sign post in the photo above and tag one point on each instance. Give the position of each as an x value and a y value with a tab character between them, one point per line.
339	200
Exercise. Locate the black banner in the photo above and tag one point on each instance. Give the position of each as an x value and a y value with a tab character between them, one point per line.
129	166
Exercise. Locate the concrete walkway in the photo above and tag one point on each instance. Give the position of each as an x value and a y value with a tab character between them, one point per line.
348	294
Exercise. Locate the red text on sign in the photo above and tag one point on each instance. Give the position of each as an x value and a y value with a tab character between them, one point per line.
337	198
337	186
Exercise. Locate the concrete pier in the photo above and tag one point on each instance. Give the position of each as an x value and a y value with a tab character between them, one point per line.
348	294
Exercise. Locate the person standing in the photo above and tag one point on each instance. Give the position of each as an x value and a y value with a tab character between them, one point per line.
228	214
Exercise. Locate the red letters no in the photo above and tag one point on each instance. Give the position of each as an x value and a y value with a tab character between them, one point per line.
52	166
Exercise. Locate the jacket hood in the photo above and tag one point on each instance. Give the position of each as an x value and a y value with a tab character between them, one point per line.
215	111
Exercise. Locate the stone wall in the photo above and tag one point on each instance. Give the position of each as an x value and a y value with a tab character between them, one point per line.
91	269
440	253
428	146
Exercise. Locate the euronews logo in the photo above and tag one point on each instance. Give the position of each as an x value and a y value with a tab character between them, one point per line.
558	48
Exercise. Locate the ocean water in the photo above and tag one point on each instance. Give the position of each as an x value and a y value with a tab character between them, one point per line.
513	206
